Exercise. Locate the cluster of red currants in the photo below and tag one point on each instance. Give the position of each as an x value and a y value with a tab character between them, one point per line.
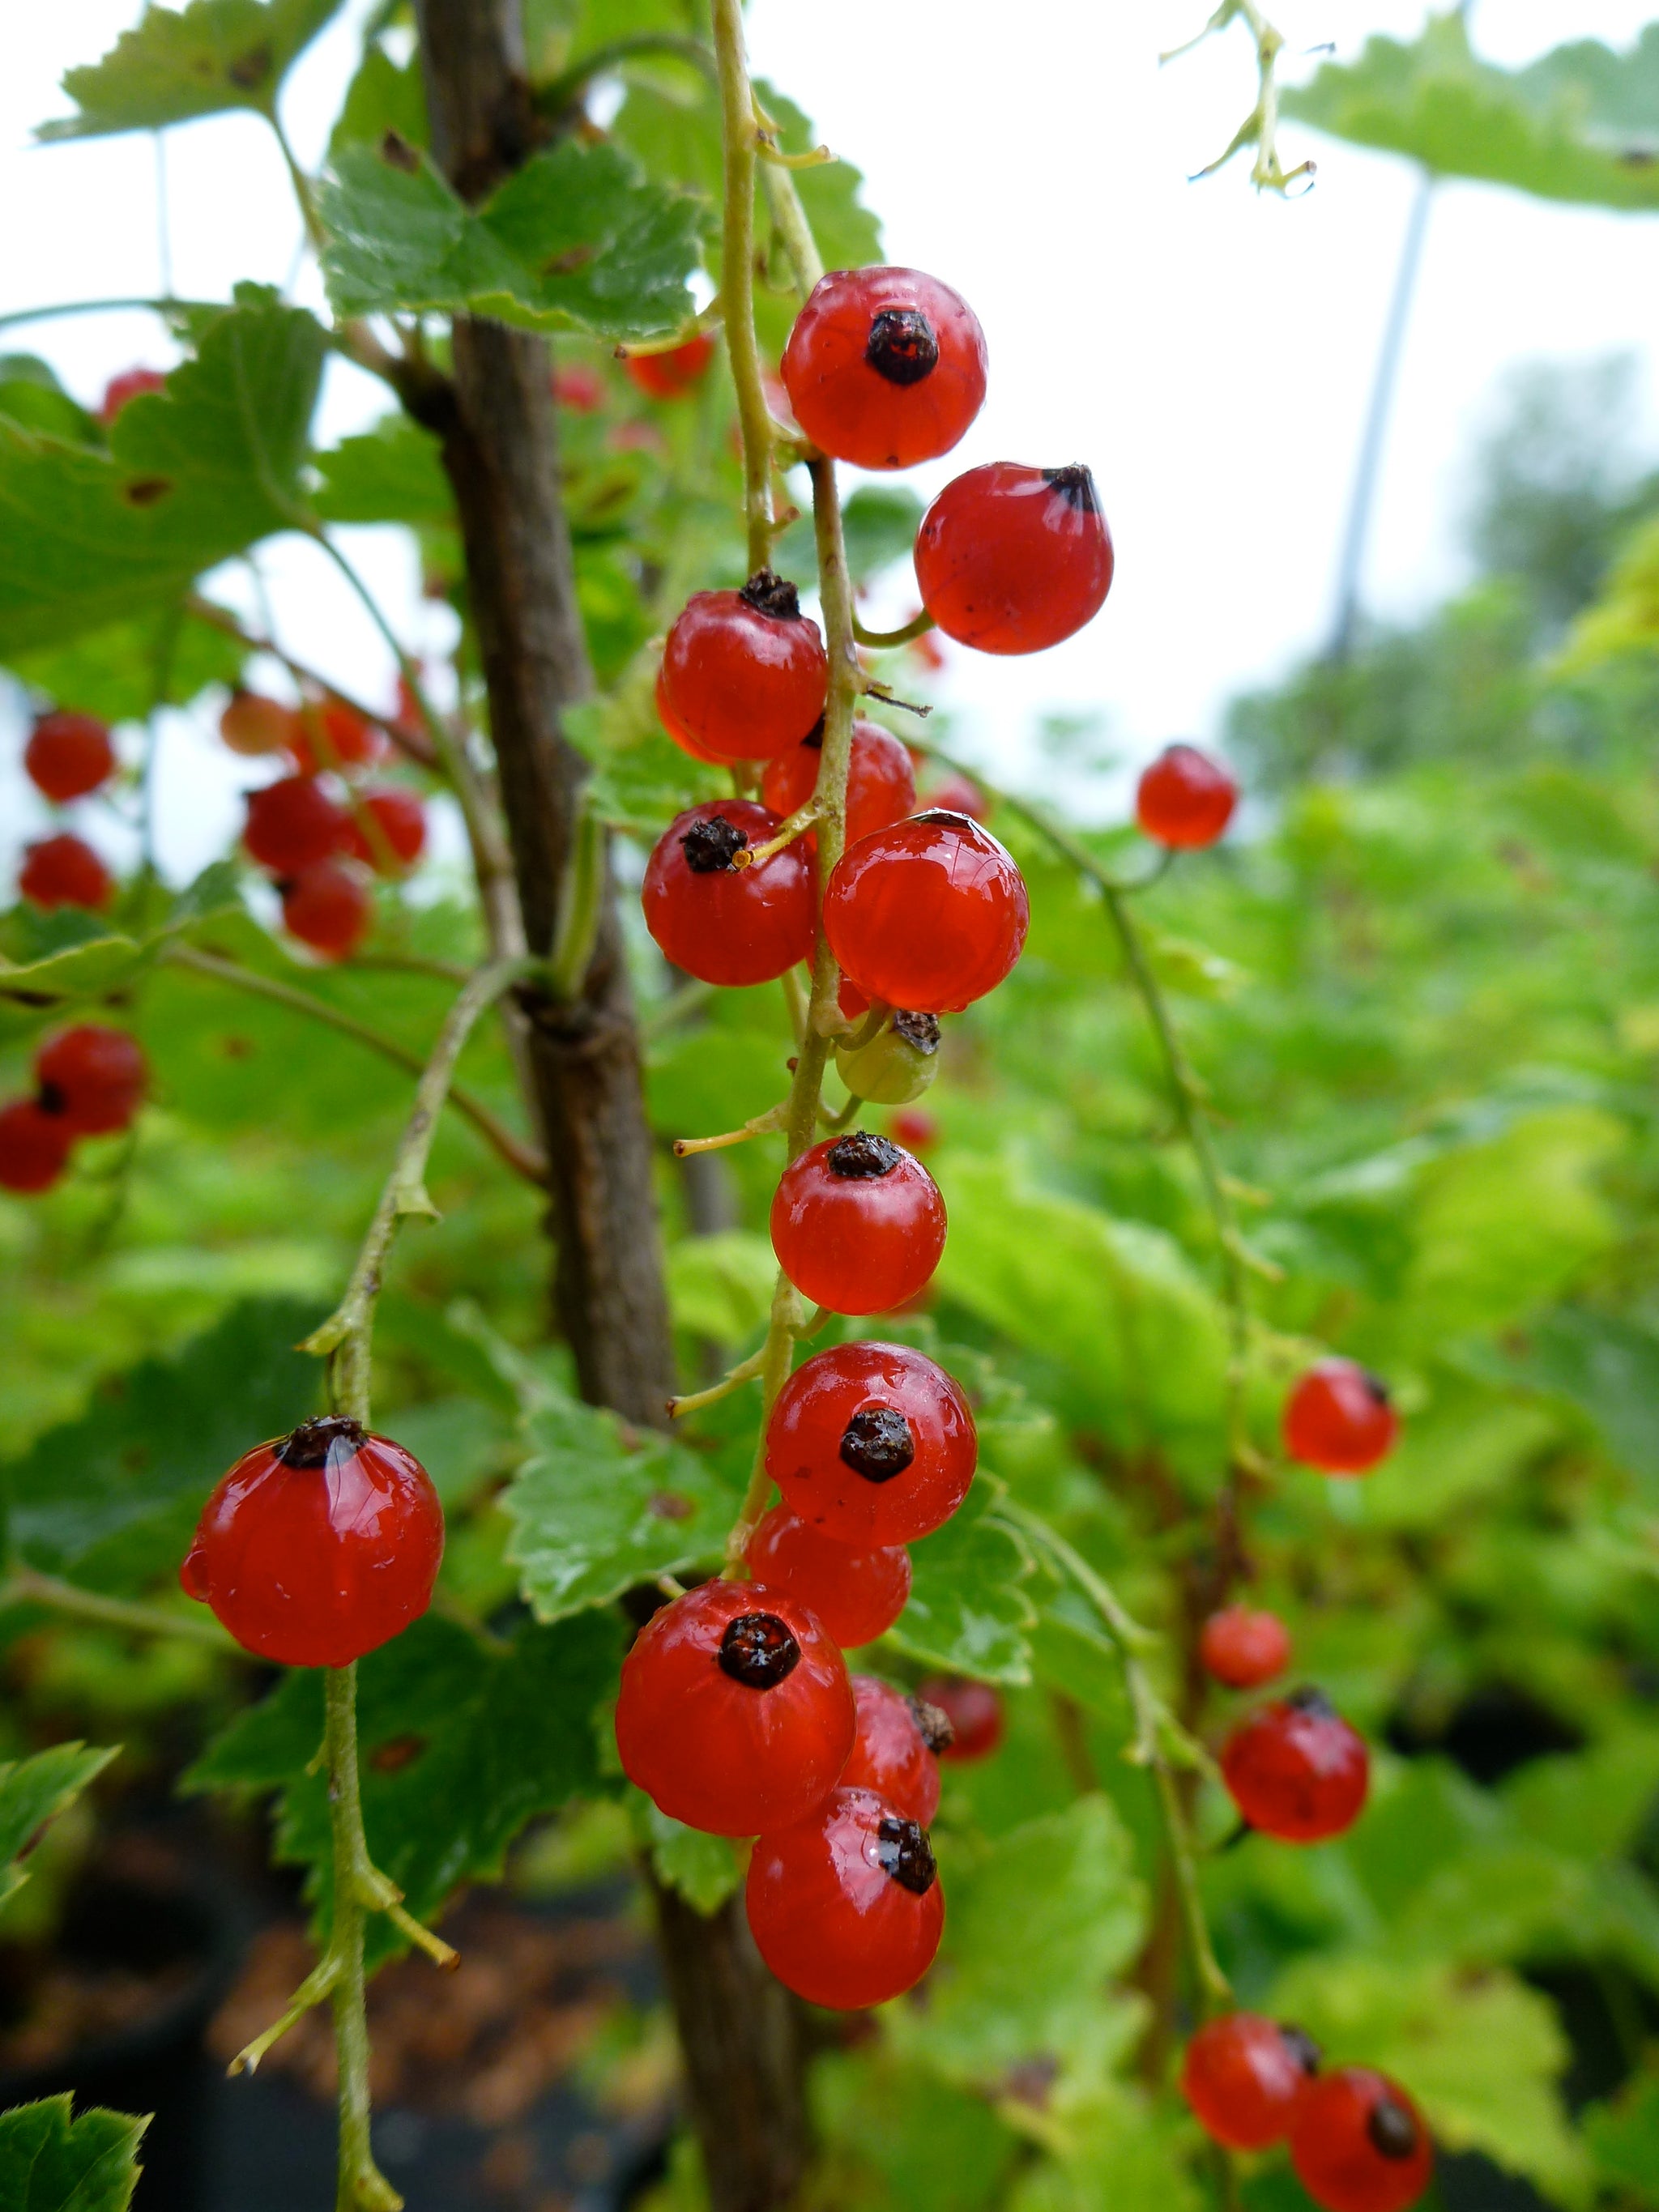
89	1081
317	846
69	755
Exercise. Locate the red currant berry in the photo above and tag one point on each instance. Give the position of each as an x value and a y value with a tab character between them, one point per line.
329	908
1245	1649
858	1225
916	1131
735	1713
721	923
1359	2145
294	824
34	1146
130	384
1185	798
334	735
68	754
253	725
856	1595
1339	1418
386	830
1012	560
975	1712
885	366
66	871
92	1076
930	914
846	1907
1296	1770
872	1444
881	784
1245	2076
671	375
744	672
896	1751
580	388
320	1546
682	737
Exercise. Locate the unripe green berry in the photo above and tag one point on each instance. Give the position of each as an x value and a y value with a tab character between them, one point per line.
897	1065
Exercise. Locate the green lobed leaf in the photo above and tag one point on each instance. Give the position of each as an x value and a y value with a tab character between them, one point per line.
50	2162
968	1611
1623	2140
1606	1367
462	1740
167	657
897	2140
1114	2147
598	1506
392	473
579	238
203	59
88	960
31	394
719	1288
705	1869
195	474
34	1791
382	97
110	1500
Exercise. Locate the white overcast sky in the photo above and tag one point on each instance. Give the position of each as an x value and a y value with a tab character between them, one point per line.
1209	353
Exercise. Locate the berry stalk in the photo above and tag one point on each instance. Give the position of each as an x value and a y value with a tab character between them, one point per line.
737	276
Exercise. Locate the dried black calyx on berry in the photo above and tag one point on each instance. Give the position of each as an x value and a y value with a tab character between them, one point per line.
815	736
1301	2047
920	1030
905	1853
1375	1388
861	1157
1075	486
768	593
934	1724
711	844
1309	1700
759	1650
877	1444
901	345
312	1442
1391	2127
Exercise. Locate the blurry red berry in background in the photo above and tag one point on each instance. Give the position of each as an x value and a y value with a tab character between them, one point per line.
1339	1418
1245	2076
334	735
975	1712
914	1128
328	908
64	871
671	375
68	754
1296	1770
580	388
92	1076
1184	799
1242	1649
881	784
386	830
957	795
1011	560
1359	2145
129	385
34	1146
253	725
292	824
927	652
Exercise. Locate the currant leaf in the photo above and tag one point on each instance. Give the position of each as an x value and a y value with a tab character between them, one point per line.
50	2162
968	1611
121	673
173	64
33	1792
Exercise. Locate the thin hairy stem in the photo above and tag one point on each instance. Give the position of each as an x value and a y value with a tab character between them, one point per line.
24	1586
736	277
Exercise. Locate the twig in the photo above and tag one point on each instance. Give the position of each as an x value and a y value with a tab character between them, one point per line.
1260	128
25	1586
221	619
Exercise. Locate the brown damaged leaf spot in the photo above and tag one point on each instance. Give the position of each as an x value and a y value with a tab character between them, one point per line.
397	1753
145	491
666	1506
397	152
567	263
250	70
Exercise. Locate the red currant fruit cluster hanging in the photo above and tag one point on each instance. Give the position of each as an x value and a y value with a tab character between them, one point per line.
1356	2140
320	1546
89	1082
68	755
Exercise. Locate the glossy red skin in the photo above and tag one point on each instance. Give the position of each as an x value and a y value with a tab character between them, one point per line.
292	824
881	784
671	728
918	1131
68	754
1005	562
130	384
34	1146
334	735
1245	1649
1243	2080
729	926
857	1595
828	1919
253	725
66	871
807	1423
94	1076
1336	2161
858	1247
889	1753
1185	800
973	1710
850	409
327	908
400	821
671	375
929	915
745	684
1335	1420
1301	1777
720	1754
312	1567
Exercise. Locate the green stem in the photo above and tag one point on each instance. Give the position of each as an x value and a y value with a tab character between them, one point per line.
736	277
581	903
519	1156
164	307
302	183
880	641
552	100
362	2186
24	1586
